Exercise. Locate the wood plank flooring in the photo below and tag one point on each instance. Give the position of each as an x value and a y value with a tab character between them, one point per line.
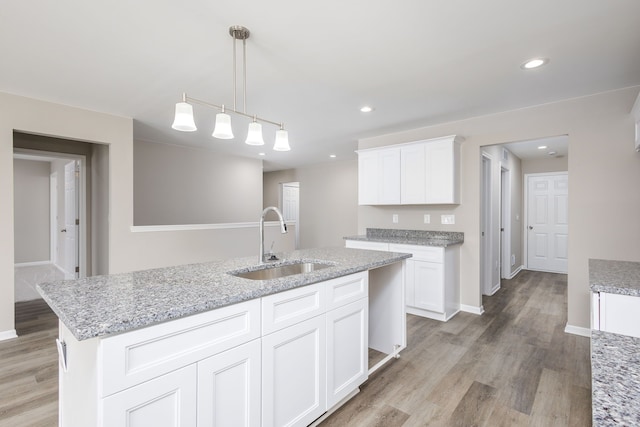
512	366
29	369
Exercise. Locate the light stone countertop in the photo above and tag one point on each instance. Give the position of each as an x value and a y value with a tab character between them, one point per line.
615	371
411	237
615	277
101	305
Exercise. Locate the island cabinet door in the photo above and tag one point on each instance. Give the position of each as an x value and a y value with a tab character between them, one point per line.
166	401
294	374
428	286
347	349
229	388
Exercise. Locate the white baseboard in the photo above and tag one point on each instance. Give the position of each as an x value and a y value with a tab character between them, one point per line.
32	264
471	309
577	330
495	289
515	273
7	335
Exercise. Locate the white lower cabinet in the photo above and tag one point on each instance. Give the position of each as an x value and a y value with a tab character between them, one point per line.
616	313
166	401
347	349
229	387
425	288
293	374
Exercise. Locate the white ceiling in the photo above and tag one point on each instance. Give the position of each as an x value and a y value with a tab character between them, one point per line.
312	65
554	146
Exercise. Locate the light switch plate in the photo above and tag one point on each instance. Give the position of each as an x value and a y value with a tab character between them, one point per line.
394	218
427	218
447	219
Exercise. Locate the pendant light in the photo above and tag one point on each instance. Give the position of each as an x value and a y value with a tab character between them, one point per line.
223	130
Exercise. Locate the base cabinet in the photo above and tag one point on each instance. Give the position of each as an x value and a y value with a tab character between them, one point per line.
294	369
229	388
166	401
347	349
616	313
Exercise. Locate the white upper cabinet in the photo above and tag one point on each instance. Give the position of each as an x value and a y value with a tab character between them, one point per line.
421	172
379	177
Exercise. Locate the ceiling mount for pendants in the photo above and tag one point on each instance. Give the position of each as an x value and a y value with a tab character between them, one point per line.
239	32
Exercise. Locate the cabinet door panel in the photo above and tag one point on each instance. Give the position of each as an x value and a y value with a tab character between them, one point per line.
347	349
166	401
389	181
441	170
429	286
229	388
368	178
413	174
294	374
620	314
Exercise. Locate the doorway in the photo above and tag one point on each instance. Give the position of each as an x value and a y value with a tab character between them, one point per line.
49	219
488	262
547	231
290	206
507	260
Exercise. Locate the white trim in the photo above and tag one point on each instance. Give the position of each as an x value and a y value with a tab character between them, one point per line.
455	138
494	289
187	227
472	309
515	273
577	330
7	335
505	221
32	264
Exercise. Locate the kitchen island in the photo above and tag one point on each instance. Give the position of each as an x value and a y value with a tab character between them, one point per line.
615	342
198	345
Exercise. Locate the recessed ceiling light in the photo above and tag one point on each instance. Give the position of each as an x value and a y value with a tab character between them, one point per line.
366	109
542	147
333	156
551	153
534	63
261	154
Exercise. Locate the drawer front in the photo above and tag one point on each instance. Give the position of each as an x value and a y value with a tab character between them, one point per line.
147	353
347	289
420	253
361	244
293	306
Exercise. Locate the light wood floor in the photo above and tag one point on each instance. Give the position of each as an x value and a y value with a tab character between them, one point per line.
512	366
29	369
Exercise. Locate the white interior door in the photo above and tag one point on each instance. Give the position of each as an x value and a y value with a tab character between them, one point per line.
547	222
486	229
69	234
291	206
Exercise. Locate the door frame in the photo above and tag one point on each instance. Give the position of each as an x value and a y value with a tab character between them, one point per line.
526	212
486	224
49	156
505	222
281	203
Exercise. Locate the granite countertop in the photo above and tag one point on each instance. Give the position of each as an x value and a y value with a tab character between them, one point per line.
615	277
411	237
615	370
102	305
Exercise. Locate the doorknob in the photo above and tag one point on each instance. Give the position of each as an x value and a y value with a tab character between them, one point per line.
531	227
64	230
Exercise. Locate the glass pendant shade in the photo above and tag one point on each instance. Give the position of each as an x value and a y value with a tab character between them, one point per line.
254	135
282	141
183	120
223	127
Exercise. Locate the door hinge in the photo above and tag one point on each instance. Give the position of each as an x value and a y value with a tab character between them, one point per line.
77	221
77	269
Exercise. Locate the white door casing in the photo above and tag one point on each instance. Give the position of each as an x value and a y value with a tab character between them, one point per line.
547	221
69	234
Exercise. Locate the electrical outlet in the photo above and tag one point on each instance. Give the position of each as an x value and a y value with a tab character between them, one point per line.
447	219
394	218
427	218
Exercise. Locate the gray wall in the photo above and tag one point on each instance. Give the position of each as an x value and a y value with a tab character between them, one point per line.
550	164
31	210
328	201
603	166
181	185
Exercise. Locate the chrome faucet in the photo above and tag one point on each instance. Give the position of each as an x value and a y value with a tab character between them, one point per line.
283	229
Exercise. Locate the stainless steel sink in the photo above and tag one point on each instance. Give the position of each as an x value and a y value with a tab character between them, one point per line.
276	272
